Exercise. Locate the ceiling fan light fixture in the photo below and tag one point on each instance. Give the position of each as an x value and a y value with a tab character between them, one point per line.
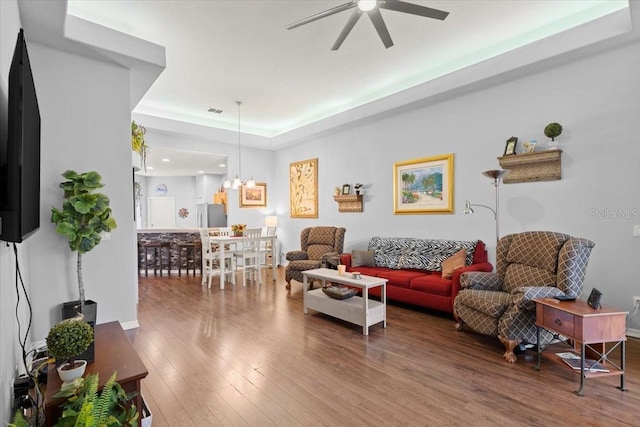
367	5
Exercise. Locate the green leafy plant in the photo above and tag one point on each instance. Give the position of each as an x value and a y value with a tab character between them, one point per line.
68	339
19	421
83	217
553	130
85	407
137	142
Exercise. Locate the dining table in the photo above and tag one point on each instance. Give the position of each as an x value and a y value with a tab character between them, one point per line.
225	242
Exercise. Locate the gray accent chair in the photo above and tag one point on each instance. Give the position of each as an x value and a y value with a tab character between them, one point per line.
533	264
317	244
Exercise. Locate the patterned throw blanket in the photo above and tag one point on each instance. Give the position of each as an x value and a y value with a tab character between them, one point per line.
422	254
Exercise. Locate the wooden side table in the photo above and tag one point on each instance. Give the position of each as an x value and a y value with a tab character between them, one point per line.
113	352
586	327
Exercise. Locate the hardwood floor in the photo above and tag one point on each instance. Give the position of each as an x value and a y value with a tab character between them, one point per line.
249	356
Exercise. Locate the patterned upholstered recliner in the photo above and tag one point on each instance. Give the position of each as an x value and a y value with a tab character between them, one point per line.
316	243
533	264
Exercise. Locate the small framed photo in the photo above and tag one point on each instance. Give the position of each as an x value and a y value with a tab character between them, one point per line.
529	146
510	148
346	190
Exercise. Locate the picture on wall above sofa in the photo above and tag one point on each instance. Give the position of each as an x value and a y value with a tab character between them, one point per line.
422	186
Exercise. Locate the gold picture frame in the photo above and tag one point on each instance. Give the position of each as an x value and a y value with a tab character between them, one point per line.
303	189
423	186
255	197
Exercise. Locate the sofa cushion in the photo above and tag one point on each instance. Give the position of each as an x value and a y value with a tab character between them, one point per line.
432	284
368	271
453	263
362	258
400	278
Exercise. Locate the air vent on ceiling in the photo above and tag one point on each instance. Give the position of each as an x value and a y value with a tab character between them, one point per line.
215	110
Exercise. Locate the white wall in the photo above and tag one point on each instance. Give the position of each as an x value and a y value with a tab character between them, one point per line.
255	161
85	126
597	100
10	353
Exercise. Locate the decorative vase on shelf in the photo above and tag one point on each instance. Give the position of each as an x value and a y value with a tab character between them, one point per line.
67	374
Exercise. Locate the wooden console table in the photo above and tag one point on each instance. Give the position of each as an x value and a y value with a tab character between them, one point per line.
113	352
577	321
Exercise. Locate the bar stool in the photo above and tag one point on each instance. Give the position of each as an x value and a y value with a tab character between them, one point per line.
156	250
190	249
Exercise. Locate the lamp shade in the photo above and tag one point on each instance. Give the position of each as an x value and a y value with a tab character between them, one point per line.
271	221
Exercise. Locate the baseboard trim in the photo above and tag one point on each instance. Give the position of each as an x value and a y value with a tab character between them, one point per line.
130	325
635	333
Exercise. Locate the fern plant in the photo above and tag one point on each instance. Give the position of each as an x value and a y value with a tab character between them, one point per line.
86	408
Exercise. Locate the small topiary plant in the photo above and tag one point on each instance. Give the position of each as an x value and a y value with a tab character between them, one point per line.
68	339
553	130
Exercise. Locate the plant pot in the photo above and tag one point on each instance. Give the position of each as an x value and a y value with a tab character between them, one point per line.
68	375
90	311
238	234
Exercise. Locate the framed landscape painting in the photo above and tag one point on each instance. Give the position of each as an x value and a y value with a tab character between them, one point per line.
303	189
255	197
423	186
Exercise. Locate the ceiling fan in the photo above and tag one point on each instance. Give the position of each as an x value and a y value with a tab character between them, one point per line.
372	9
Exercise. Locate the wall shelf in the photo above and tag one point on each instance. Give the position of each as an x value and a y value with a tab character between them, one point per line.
349	203
529	167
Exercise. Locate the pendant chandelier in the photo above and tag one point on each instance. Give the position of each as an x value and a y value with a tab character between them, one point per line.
237	182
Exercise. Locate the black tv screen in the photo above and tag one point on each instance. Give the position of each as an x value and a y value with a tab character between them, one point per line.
20	152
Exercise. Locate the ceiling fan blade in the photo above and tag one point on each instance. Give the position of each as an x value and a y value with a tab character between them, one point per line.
414	9
347	28
381	27
321	15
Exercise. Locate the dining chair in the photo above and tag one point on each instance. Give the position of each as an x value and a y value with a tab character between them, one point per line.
250	255
211	261
266	246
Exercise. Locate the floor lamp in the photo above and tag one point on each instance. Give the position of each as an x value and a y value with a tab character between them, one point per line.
496	175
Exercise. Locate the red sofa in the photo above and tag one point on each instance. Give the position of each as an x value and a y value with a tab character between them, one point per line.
424	286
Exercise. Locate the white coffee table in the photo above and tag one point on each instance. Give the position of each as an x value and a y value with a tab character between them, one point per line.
357	310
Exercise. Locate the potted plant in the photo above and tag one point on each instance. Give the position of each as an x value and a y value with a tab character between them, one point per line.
67	340
84	216
137	143
553	130
85	407
238	229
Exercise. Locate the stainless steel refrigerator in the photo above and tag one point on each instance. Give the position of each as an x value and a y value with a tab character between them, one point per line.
211	215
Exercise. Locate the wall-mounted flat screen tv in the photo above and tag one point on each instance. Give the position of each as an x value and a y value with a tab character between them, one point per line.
20	152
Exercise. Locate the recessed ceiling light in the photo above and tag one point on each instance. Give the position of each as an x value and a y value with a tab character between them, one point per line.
166	160
222	165
200	171
149	167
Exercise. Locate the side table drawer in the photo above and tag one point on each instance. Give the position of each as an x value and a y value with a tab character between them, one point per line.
559	321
